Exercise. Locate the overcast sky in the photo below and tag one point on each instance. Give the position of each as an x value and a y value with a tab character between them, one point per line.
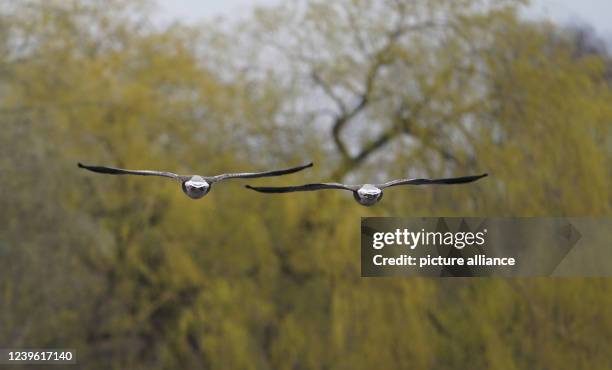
598	13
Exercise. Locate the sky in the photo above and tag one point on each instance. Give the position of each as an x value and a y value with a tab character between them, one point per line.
597	13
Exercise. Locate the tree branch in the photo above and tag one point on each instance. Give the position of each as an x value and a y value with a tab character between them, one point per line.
380	58
376	144
364	98
329	92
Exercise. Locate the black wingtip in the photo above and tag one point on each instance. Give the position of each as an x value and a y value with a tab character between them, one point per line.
80	165
478	177
310	164
249	187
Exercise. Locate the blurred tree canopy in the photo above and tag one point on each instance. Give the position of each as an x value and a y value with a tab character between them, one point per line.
133	274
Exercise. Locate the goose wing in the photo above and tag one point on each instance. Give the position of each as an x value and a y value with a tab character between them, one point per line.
121	171
446	181
306	187
252	175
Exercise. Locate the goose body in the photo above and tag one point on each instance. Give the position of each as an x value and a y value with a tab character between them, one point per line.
194	186
367	194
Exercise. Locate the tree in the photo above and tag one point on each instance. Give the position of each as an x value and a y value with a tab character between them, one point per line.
133	274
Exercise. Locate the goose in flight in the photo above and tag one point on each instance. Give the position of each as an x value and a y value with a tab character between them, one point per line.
194	186
367	194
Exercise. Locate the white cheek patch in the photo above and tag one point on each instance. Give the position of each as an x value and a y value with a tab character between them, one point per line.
197	185
369	192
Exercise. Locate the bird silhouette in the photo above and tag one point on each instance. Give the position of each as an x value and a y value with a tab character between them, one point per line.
195	186
367	194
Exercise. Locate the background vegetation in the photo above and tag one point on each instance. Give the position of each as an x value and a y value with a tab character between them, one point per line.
135	275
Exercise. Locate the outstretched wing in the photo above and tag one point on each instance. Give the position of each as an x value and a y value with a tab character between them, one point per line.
252	175
307	187
447	181
120	171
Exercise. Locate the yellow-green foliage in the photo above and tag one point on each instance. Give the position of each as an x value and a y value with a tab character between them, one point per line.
133	274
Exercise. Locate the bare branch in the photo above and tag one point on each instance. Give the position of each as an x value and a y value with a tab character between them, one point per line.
376	144
380	58
338	124
364	98
329	92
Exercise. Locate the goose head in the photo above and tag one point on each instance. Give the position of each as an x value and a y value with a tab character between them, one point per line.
368	195
196	187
